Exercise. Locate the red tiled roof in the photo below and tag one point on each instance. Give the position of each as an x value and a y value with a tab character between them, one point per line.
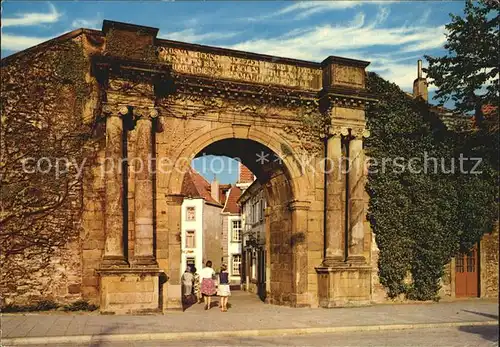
195	186
231	205
245	176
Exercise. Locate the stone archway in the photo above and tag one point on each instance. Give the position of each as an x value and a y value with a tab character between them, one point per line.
167	107
285	187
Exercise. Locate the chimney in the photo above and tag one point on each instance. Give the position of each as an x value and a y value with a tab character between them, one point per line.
420	84
214	189
245	175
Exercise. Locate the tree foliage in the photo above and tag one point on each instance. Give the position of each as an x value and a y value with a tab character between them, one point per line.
468	73
425	212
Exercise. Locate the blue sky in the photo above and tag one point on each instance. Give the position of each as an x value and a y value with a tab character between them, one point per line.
392	35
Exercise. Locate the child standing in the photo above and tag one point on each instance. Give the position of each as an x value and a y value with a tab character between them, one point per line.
223	289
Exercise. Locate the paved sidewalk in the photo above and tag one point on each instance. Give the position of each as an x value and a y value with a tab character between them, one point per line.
246	313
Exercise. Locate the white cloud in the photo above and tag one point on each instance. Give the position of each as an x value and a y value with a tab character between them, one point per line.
95	23
304	9
190	35
354	39
438	40
17	42
34	18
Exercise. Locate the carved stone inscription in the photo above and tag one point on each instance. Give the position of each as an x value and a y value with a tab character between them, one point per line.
348	76
223	66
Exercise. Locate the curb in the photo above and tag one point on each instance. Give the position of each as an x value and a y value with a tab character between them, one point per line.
19	341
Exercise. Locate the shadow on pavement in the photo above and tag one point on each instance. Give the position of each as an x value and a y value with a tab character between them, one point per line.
96	340
489	315
487	332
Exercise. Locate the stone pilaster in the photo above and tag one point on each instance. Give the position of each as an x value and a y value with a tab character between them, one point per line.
267	226
143	192
172	288
114	246
356	196
335	188
299	211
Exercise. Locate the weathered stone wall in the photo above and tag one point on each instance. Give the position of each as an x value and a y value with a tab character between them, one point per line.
93	235
280	241
489	264
50	89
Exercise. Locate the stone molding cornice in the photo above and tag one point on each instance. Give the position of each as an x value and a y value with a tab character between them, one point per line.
197	85
299	205
345	97
103	66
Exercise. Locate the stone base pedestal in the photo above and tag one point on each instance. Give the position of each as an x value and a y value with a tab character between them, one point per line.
300	300
129	290
344	285
173	297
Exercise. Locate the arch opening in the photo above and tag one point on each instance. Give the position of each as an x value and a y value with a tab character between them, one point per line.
255	239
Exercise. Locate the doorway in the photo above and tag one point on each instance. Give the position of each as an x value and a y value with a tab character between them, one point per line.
467	274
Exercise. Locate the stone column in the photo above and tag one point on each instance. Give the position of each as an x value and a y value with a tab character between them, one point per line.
356	184
143	191
299	210
335	188
113	248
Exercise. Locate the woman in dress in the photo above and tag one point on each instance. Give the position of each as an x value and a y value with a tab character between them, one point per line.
207	276
223	289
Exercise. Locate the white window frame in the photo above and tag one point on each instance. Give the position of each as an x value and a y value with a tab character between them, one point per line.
233	231
189	231
187	213
235	270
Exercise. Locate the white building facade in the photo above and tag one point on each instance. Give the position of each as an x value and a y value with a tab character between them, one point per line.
192	233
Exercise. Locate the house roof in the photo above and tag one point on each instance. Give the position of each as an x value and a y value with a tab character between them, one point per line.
195	186
231	205
245	175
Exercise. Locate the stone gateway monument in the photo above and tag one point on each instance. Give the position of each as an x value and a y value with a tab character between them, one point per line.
158	104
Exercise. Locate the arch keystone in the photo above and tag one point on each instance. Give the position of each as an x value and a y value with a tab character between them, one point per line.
240	131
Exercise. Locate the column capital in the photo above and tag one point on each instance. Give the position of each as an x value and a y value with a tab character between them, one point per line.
114	110
360	132
148	113
336	130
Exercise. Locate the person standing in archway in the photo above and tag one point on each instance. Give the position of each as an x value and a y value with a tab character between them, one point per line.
196	285
187	284
207	276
